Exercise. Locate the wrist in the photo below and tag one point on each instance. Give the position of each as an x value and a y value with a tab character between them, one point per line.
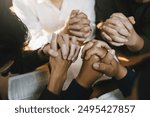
56	83
122	71
137	43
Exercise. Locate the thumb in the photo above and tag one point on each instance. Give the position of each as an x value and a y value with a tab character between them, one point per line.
101	67
53	53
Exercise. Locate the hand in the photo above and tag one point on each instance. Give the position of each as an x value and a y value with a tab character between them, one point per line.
91	48
69	47
87	75
79	25
110	66
59	67
118	30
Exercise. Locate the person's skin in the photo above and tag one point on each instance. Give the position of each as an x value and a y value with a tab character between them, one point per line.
57	3
91	54
118	30
60	64
87	76
107	64
78	25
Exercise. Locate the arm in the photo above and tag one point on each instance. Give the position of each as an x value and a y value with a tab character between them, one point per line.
81	87
64	55
29	61
89	9
25	10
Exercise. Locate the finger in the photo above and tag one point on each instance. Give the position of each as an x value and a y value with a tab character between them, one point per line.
131	19
114	35
109	57
74	20
64	49
102	67
114	21
75	27
81	15
101	44
86	29
86	35
100	25
52	53
53	43
81	40
121	30
74	58
74	13
84	21
124	20
77	33
73	47
119	39
106	37
66	39
116	44
86	47
101	52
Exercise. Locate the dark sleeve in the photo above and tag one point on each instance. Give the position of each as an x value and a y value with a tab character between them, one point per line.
76	92
47	95
125	84
142	26
146	47
103	9
29	61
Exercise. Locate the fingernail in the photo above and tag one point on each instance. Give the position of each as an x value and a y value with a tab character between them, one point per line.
96	65
86	58
65	57
69	58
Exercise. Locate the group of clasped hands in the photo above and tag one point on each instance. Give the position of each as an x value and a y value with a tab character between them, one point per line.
98	57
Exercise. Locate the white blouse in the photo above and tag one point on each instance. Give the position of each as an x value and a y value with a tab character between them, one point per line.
43	18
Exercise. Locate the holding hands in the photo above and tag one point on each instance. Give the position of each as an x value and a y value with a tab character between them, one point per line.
99	59
78	25
63	50
118	30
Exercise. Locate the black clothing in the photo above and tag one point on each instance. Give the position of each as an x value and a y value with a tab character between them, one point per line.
28	62
74	92
125	85
140	11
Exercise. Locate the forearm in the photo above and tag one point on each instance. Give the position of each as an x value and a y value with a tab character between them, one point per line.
136	44
56	82
76	92
125	84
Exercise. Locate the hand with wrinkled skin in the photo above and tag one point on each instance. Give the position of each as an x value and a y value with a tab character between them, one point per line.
65	51
118	30
87	75
78	25
90	49
110	67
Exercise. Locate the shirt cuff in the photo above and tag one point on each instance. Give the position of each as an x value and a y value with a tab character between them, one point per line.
76	92
47	95
125	84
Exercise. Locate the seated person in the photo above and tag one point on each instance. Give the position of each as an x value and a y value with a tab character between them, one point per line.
13	37
44	17
124	24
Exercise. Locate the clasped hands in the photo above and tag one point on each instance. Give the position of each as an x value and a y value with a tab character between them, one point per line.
98	59
118	30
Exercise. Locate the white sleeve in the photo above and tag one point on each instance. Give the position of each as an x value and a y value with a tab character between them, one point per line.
90	12
25	10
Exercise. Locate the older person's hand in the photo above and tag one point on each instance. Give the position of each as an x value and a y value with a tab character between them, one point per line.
78	25
65	51
118	30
